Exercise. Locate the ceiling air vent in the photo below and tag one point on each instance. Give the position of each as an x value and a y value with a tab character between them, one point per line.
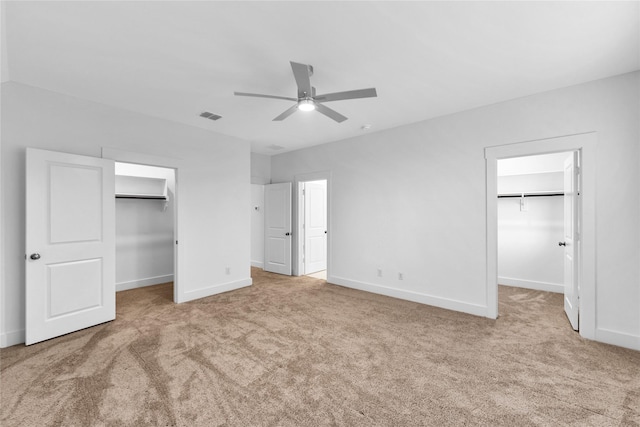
210	116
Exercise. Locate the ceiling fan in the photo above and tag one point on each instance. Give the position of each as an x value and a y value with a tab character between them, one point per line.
307	99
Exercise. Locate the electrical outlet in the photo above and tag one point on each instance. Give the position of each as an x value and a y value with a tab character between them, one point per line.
379	273
400	276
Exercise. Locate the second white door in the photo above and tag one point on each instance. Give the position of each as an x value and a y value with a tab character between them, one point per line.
315	226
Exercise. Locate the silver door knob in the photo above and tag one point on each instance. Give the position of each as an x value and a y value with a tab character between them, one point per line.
35	256
562	243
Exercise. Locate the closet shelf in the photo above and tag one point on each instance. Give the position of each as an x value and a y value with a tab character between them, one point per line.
137	187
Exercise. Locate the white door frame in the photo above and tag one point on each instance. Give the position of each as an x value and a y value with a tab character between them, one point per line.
151	160
586	144
298	221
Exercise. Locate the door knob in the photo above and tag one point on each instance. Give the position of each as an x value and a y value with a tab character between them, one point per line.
287	234
35	256
562	243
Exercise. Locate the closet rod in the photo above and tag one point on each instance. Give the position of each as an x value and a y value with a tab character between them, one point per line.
501	196
123	196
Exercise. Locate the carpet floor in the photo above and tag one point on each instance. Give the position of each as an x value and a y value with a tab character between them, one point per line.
301	352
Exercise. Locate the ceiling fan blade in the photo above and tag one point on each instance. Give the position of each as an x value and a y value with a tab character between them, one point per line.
257	95
332	114
301	74
349	94
286	114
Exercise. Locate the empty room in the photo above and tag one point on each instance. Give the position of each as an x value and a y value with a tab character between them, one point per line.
306	213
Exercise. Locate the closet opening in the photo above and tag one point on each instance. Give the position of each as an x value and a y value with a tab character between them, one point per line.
145	226
536	224
580	249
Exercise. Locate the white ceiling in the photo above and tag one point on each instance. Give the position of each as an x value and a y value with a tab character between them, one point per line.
174	60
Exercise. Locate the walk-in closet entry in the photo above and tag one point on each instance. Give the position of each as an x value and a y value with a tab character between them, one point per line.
145	225
532	216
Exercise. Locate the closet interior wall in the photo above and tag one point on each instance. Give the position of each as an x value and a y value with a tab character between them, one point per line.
530	223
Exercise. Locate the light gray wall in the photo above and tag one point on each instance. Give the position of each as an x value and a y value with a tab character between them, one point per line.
212	180
257	225
260	175
412	199
4	64
260	169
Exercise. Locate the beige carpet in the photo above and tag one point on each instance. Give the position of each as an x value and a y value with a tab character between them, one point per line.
300	352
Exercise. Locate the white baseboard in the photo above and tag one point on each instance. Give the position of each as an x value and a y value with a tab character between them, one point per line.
258	264
140	283
213	290
621	339
12	338
531	284
449	304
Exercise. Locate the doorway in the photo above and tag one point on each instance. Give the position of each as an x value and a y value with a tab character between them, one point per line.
145	225
312	220
531	222
172	164
584	144
312	216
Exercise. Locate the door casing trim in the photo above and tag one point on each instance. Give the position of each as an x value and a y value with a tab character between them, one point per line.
585	144
169	163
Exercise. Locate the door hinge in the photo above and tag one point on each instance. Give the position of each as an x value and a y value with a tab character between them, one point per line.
577	236
176	242
578	170
303	191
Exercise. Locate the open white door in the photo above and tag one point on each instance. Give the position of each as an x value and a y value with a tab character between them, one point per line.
570	239
70	243
277	228
315	226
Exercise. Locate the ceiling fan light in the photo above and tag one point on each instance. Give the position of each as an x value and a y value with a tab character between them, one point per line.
306	105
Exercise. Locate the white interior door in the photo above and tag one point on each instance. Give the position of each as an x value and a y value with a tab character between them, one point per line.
315	226
70	243
277	228
570	239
